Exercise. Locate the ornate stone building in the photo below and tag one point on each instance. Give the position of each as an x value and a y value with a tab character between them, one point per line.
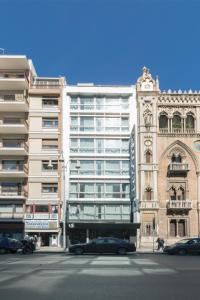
168	163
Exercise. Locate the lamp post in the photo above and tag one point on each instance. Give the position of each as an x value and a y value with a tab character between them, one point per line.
66	240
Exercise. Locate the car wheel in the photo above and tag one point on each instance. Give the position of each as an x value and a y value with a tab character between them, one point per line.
121	251
2	251
182	252
78	251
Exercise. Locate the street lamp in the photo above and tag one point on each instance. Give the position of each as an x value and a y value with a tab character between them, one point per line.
66	240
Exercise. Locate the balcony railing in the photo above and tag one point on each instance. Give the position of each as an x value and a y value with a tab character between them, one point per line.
13	193
177	130
13	144
13	98
11	215
97	150
99	129
46	84
97	172
178	168
41	216
149	205
112	217
179	204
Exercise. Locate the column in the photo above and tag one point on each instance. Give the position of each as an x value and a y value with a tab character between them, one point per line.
198	202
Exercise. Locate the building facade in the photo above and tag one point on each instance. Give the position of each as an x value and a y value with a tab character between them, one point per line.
168	162
30	150
98	161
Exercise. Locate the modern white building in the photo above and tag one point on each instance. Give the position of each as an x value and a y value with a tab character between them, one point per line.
97	124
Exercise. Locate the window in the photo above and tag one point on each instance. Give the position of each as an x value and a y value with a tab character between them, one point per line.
176	158
12	120
49	188
148	157
10	165
148	194
49	144
49	165
11	188
13	143
50	122
176	122
49	102
41	209
86	123
163	122
190	122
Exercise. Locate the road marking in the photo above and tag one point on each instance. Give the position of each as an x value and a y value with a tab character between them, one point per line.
161	271
110	272
110	262
75	262
117	258
144	261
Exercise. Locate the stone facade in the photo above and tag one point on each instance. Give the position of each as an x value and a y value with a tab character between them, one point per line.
168	161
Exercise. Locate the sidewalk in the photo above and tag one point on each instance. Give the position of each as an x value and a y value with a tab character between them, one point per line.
61	250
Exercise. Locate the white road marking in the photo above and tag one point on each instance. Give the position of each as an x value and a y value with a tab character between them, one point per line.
110	262
161	271
111	272
144	261
117	258
75	262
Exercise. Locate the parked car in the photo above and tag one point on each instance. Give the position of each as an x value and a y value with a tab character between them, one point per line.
9	245
185	246
104	245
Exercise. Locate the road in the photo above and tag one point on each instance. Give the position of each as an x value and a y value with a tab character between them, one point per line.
100	277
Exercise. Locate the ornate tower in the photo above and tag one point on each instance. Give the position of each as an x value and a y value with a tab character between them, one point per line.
147	90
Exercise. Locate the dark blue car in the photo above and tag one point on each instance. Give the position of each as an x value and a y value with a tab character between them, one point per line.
8	245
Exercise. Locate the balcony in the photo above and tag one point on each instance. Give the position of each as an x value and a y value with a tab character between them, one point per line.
13	194
13	102
11	215
100	151
41	216
18	126
13	147
179	205
149	205
13	81
19	171
178	169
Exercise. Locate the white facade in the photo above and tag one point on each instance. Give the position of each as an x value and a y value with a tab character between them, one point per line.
97	124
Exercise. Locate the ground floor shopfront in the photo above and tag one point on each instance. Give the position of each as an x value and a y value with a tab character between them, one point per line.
12	229
84	232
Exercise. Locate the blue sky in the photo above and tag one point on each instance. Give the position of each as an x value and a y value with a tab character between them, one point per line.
106	41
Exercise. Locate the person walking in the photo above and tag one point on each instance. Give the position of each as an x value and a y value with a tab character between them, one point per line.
161	243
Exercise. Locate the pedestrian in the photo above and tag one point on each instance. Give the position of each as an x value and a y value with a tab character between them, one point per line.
161	243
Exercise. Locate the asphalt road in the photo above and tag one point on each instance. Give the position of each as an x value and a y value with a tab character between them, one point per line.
100	277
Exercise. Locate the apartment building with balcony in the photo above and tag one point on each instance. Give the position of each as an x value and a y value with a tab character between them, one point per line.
43	212
97	161
16	73
168	164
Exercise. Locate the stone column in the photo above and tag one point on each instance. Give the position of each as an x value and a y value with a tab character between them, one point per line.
198	202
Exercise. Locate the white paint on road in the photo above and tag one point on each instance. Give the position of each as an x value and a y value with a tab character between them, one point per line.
111	272
160	271
144	261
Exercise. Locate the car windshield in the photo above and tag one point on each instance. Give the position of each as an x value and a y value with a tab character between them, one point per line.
185	241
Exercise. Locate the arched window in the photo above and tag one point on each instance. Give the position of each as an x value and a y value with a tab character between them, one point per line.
148	194
176	122
163	121
172	193
148	157
182	228
181	193
172	229
176	158
190	122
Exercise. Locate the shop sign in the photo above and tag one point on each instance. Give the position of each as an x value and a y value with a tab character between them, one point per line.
40	224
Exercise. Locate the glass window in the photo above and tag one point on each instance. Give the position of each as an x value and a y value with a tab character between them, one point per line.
99	145
86	123
86	145
50	122
49	188
125	190
112	190
87	103
86	190
49	144
11	188
124	122
74	145
13	143
12	120
73	190
49	165
10	165
49	102
41	208
99	167
87	167
112	167
99	103
6	208
125	167
99	189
